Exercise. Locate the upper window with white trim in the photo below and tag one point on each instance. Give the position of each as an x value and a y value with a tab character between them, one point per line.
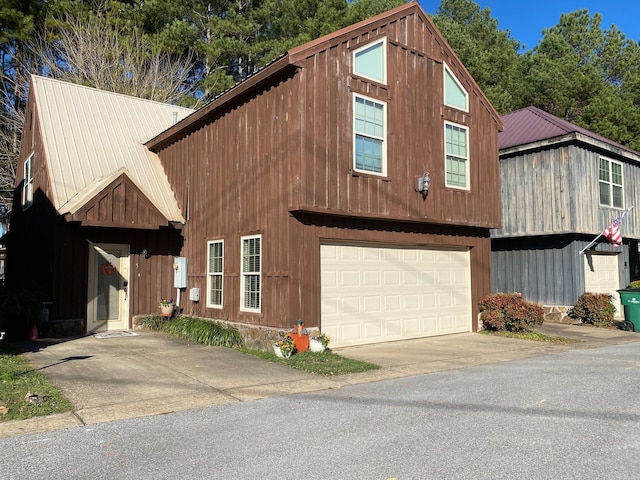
215	273
370	61
456	145
610	183
27	189
454	94
251	273
369	135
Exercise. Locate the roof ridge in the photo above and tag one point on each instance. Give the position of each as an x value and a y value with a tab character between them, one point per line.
108	92
550	118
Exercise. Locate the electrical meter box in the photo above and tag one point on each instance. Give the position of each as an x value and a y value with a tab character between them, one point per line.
194	294
180	272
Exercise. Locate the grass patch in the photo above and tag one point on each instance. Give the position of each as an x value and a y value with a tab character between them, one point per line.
17	379
321	363
535	336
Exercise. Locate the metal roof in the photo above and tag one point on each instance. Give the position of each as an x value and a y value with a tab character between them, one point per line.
530	125
91	134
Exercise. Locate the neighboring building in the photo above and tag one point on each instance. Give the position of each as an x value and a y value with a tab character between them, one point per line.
290	196
561	186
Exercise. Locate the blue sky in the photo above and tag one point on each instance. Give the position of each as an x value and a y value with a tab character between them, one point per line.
527	22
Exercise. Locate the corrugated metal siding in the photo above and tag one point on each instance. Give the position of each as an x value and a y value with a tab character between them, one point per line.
555	190
548	270
88	134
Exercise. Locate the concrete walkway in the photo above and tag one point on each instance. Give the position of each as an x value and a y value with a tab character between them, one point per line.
150	374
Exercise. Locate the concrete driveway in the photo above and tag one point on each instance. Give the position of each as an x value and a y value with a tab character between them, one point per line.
151	373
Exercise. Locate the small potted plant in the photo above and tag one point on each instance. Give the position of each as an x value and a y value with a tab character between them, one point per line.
284	347
318	341
167	307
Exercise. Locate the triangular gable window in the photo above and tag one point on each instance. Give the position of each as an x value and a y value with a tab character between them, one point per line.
370	61
454	95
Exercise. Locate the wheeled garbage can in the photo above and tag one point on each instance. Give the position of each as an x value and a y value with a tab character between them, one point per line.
630	300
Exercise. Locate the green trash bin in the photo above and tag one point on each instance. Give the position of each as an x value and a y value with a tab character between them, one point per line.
630	300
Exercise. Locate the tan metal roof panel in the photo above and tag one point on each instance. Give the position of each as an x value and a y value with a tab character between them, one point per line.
89	134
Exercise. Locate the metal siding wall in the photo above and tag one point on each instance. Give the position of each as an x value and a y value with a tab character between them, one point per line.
539	268
546	270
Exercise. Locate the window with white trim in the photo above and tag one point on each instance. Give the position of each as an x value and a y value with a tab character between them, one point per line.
251	273
369	135
456	145
27	189
610	183
370	61
454	93
215	273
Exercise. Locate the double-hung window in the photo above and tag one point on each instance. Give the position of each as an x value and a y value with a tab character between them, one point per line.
456	143
27	190
369	135
610	183
214	273
251	263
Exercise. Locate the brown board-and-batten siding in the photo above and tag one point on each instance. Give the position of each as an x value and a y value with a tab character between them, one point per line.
274	158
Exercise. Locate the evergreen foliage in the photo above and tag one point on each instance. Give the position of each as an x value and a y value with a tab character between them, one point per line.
578	71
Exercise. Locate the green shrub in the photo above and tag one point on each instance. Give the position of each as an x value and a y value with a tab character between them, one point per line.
510	312
634	284
594	308
152	322
206	332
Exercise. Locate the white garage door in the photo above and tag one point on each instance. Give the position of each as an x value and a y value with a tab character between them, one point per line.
601	275
375	294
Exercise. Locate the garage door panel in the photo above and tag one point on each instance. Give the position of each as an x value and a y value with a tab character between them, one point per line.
602	276
387	293
392	303
371	304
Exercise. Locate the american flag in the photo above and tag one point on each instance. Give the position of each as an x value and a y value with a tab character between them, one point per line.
612	232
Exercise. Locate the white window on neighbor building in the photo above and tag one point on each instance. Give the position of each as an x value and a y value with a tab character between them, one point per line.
456	146
27	189
610	183
251	275
454	93
369	135
215	273
370	61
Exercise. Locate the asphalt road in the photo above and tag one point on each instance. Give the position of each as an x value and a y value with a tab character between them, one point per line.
573	415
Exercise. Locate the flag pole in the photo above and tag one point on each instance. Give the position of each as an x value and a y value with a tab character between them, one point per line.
596	239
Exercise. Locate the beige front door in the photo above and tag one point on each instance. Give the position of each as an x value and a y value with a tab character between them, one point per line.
108	299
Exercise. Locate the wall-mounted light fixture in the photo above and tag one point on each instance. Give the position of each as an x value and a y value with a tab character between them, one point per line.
144	253
424	182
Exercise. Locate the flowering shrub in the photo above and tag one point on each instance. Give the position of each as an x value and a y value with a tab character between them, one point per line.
509	311
594	308
166	303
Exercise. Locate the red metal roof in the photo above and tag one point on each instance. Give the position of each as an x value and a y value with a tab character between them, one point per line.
531	124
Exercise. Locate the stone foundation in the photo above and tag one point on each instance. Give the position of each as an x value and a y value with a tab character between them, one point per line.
257	337
62	328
